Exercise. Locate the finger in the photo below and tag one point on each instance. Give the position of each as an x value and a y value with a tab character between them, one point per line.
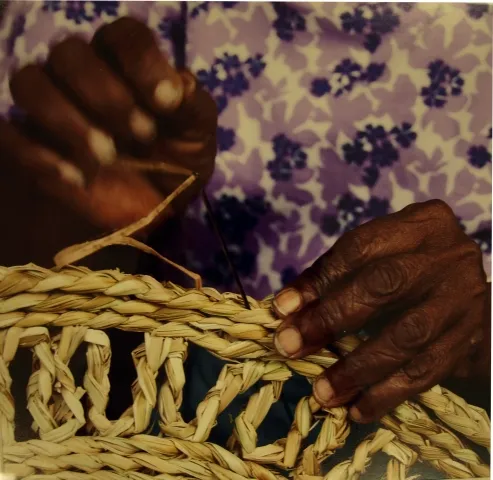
50	109
75	65
196	117
189	134
400	232
379	357
349	306
189	140
131	48
426	370
34	160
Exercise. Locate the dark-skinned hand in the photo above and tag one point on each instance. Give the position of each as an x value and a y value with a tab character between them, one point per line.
87	108
416	278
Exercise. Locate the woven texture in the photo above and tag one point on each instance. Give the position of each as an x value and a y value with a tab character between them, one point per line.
55	313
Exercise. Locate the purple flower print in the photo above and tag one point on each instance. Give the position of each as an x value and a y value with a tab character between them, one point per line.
371	20
374	148
351	211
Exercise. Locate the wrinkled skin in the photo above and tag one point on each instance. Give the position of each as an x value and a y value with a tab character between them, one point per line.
85	110
416	280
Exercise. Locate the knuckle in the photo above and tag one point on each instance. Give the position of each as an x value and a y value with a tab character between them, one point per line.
385	278
321	275
400	381
330	316
358	365
313	281
412	208
353	248
424	365
438	208
436	214
359	247
324	272
412	332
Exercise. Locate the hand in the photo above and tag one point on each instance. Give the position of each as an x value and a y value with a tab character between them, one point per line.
418	278
91	106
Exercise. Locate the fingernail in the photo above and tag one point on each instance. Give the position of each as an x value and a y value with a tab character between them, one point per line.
71	175
288	301
288	341
355	414
142	125
323	391
167	95
102	146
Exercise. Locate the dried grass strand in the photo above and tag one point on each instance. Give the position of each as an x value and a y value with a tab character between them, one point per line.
56	313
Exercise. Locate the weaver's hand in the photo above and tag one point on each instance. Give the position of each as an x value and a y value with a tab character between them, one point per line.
415	275
92	105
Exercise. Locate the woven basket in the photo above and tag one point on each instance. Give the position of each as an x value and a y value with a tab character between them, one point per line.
55	313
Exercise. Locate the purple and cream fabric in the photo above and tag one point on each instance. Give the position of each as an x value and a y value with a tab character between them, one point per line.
330	114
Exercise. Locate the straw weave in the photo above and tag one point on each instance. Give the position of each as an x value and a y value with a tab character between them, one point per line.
55	313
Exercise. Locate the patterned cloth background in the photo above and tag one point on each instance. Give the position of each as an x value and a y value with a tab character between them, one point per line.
330	114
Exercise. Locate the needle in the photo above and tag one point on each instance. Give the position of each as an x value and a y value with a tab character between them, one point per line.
224	247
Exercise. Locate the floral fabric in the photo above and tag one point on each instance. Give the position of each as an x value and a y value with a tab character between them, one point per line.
330	114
